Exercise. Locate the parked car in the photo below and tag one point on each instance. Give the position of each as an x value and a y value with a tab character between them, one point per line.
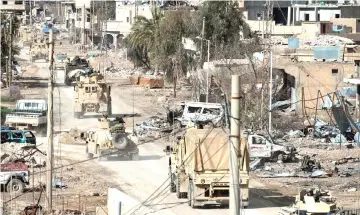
14	177
17	136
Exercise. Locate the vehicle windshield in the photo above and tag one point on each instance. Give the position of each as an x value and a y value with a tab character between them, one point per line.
60	57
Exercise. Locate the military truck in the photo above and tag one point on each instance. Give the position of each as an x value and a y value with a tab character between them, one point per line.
199	167
39	49
110	140
27	35
92	95
71	64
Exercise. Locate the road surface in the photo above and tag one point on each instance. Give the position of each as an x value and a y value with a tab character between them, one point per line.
138	179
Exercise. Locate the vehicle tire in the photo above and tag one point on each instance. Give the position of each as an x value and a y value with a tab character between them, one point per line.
120	141
15	186
89	155
134	157
179	194
280	157
190	196
77	115
172	181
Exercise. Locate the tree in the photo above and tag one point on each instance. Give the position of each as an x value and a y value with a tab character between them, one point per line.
5	43
142	36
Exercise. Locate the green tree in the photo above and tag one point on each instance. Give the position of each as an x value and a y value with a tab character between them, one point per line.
5	41
142	36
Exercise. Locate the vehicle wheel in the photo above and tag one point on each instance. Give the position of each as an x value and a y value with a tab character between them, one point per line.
134	157
15	186
280	157
179	194
191	199
172	181
89	155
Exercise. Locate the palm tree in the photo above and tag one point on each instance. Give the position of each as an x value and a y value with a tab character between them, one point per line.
143	33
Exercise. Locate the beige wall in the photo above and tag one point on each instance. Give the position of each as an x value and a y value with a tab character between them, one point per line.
349	22
313	77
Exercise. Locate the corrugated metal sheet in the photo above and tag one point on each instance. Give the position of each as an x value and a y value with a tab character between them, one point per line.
326	52
293	42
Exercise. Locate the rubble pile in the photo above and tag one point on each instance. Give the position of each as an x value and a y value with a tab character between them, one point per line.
124	73
326	40
155	127
15	152
71	137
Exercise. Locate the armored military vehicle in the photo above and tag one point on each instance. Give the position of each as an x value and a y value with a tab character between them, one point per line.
110	139
199	169
92	95
39	49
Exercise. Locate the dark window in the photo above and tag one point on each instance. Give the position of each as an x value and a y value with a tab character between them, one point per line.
194	109
334	71
213	111
337	15
259	140
5	137
18	2
318	17
307	17
127	19
88	18
17	135
87	89
93	89
4	2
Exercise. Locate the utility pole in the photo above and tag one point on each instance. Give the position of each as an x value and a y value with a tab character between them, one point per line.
92	25
10	49
234	146
30	14
269	31
50	124
83	25
207	72
202	36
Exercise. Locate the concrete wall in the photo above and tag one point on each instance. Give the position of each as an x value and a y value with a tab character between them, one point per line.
126	13
315	76
349	22
327	14
80	3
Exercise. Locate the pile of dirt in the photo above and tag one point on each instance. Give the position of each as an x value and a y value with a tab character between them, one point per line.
16	152
71	137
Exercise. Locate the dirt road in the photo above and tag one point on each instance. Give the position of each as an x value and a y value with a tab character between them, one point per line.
139	179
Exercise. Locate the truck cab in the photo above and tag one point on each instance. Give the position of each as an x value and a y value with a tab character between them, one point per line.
262	147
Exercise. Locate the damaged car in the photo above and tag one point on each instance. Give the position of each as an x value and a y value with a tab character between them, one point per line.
264	147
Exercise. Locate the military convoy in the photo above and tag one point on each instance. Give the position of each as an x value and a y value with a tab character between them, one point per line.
199	167
91	95
110	140
39	49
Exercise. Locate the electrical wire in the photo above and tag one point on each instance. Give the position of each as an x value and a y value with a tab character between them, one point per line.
170	174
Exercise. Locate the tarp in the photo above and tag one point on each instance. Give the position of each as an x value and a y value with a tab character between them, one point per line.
326	52
207	149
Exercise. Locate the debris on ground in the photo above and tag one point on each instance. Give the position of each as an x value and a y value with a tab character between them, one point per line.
17	152
71	137
155	127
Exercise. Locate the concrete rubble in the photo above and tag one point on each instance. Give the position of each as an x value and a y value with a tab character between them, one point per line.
15	152
71	137
155	127
321	40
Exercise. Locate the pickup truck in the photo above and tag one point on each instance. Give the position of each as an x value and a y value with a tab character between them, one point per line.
263	147
28	115
14	177
17	136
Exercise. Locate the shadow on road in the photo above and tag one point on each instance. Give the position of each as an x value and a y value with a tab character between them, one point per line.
264	198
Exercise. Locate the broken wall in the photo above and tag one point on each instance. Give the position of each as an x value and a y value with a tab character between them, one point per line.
315	76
